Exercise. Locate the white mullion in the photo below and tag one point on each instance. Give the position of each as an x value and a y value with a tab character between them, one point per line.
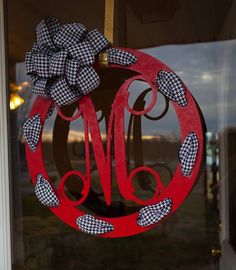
5	228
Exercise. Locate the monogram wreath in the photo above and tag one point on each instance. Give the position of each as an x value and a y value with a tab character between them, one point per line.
61	65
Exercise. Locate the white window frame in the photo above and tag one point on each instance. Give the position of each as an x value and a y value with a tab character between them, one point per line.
5	224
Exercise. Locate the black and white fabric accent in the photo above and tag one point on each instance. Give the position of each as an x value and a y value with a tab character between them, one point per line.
45	192
32	130
91	225
188	153
171	86
120	57
154	213
50	111
60	62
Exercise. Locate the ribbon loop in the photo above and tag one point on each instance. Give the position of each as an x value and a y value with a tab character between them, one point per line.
72	71
82	52
61	93
69	35
40	87
97	41
57	63
46	30
29	63
88	80
42	65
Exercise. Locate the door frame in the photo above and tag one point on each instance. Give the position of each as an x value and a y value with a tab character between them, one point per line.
228	258
5	224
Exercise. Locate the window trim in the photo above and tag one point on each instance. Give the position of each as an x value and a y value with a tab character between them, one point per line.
5	224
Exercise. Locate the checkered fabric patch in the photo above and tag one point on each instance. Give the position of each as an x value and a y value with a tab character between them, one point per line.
154	213
45	193
120	57
90	225
188	153
171	86
97	41
32	130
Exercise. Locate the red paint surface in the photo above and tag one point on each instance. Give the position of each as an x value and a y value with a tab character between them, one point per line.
177	190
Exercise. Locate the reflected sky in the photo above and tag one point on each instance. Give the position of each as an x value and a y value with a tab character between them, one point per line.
208	71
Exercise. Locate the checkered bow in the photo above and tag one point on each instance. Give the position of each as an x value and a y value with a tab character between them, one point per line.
154	213
60	62
91	225
171	86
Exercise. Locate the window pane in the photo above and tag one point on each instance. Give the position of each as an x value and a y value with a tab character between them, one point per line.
203	55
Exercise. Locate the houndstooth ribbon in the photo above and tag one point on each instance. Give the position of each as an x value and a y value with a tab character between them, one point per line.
188	153
60	62
152	214
171	86
45	192
32	130
90	225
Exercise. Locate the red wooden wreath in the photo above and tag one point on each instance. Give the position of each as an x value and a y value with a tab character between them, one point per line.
180	186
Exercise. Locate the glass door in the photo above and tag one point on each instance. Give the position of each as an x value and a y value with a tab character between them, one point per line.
201	50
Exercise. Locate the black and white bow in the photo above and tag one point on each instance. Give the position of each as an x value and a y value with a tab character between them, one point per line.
45	192
152	214
91	225
171	86
60	62
32	130
188	153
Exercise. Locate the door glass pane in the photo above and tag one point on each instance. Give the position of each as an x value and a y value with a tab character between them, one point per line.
201	50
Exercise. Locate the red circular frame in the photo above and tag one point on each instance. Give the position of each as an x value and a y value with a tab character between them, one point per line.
180	186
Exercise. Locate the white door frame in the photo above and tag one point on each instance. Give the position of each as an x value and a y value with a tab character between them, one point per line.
5	225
